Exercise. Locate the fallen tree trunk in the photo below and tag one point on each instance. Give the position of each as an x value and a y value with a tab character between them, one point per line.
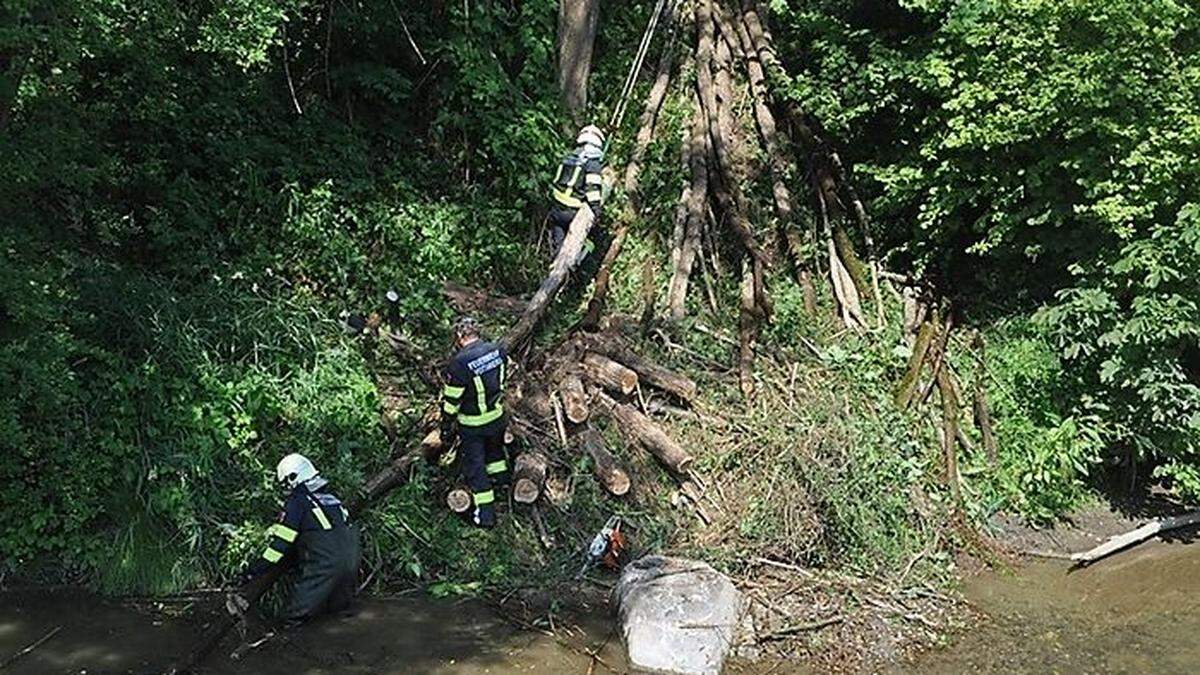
649	435
563	263
609	374
652	374
380	484
950	432
1123	541
529	474
610	474
574	398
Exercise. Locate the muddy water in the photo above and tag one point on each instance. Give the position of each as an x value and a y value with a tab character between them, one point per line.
384	637
1137	612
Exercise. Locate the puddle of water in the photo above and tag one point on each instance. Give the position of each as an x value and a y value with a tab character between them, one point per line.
1138	612
384	637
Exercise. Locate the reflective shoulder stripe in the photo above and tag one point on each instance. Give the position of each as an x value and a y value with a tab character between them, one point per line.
499	466
483	498
283	532
450	391
272	556
450	408
320	516
575	175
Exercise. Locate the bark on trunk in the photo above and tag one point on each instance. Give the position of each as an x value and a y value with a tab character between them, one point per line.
912	376
697	196
651	373
529	474
610	474
982	411
609	374
574	398
577	21
567	257
950	415
649	435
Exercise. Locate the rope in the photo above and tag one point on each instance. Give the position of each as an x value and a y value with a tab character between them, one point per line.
635	70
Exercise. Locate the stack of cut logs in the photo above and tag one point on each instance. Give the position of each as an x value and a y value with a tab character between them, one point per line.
586	378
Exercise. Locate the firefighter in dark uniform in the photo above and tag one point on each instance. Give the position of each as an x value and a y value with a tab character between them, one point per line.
578	182
474	387
314	531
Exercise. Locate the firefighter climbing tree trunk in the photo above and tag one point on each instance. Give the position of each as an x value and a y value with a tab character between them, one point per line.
577	20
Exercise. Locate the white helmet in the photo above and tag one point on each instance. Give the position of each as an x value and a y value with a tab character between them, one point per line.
590	135
295	469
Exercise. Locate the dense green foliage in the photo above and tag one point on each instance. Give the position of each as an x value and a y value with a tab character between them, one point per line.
192	193
1036	158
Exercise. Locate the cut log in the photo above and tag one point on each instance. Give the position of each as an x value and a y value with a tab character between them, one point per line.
651	373
649	435
534	400
609	374
574	399
474	301
459	500
563	263
529	474
610	474
1123	541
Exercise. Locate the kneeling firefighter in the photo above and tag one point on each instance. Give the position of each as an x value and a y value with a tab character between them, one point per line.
578	183
314	531
471	401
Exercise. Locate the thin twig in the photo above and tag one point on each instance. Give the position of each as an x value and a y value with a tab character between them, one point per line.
42	640
287	70
411	41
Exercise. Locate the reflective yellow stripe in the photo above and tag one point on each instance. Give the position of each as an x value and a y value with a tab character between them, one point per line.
272	556
320	515
480	420
565	198
450	391
575	176
480	395
497	467
283	532
450	408
595	179
558	176
482	498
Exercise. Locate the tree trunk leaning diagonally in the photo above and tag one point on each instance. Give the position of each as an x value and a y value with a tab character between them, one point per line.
577	21
564	262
